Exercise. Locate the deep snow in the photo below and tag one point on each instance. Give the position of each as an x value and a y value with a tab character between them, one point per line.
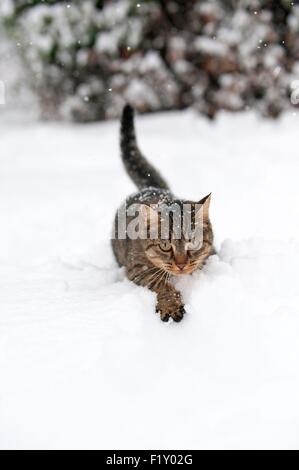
84	361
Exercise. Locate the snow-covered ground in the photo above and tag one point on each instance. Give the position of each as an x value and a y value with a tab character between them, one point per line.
84	360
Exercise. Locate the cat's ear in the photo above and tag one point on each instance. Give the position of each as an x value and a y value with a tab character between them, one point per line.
205	203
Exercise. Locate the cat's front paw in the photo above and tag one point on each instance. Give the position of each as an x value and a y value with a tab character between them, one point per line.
178	315
170	306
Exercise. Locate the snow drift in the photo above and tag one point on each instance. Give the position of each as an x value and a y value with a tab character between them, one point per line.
84	360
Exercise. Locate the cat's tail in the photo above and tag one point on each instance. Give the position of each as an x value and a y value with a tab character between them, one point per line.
139	169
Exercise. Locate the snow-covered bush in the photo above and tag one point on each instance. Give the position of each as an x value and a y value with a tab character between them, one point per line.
86	58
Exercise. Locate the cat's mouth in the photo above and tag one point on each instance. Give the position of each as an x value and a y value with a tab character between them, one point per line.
174	268
180	270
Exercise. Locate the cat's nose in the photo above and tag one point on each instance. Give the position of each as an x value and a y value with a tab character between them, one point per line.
181	262
181	266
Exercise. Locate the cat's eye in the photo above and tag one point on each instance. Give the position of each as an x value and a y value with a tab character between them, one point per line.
165	245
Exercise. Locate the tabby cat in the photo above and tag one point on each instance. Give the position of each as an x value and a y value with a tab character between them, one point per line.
153	261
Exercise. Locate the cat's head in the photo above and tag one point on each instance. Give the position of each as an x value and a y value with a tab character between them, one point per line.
179	251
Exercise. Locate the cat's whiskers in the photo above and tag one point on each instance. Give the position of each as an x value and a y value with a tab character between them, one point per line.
157	277
140	276
163	278
154	277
